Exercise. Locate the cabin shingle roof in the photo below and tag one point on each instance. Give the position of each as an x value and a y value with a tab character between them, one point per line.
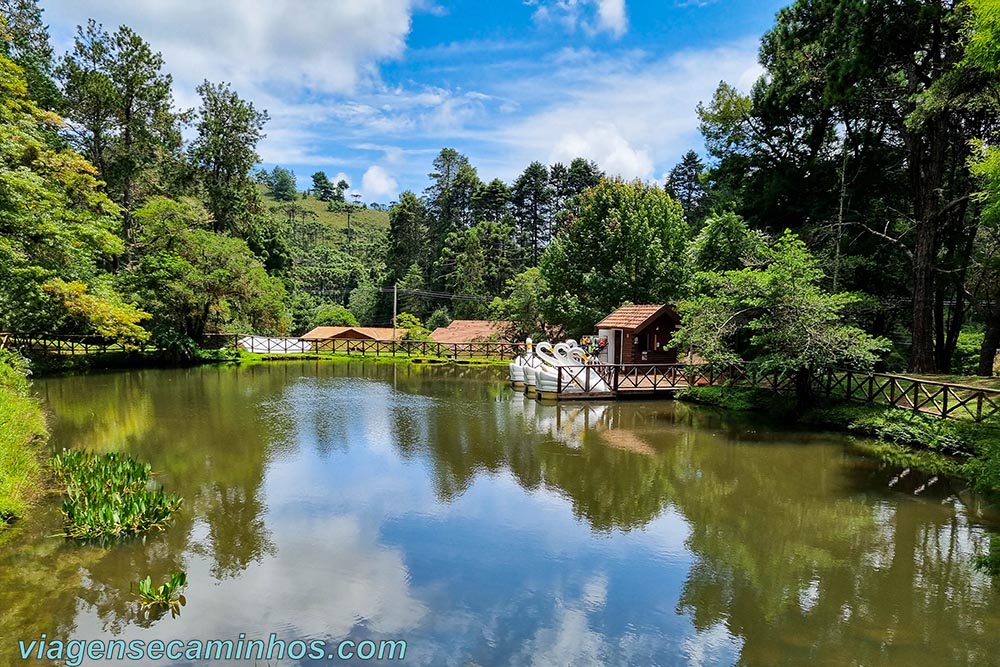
353	333
633	317
469	331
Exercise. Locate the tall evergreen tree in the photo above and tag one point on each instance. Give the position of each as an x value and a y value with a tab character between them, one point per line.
224	152
27	44
121	109
533	197
684	184
407	235
283	187
322	187
449	199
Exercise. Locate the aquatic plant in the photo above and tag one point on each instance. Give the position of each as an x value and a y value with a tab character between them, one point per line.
110	495
166	596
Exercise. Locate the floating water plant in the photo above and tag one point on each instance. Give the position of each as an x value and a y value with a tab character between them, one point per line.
110	495
163	597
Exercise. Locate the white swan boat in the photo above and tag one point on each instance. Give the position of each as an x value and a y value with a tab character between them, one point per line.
538	369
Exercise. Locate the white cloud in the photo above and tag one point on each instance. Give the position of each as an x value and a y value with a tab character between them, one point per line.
378	184
632	115
589	16
611	15
604	144
320	45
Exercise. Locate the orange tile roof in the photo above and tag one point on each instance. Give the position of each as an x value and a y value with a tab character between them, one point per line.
634	317
353	333
469	331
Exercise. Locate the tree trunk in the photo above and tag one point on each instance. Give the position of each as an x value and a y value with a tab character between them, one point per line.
922	353
988	352
804	396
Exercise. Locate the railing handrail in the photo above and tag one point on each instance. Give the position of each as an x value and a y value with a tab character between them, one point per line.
933	383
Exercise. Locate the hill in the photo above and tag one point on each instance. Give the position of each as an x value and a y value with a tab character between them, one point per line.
363	217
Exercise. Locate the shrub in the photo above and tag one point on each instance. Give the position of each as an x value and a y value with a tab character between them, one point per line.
439	318
966	359
333	315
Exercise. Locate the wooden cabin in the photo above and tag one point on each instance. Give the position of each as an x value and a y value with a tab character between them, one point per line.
640	334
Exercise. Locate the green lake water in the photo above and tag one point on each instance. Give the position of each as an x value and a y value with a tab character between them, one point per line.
331	501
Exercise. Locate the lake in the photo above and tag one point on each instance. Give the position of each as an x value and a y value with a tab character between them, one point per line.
331	501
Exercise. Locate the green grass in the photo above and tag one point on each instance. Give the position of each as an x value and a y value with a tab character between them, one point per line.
334	219
110	495
989	562
22	432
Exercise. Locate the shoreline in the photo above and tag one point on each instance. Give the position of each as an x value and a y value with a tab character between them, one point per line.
963	450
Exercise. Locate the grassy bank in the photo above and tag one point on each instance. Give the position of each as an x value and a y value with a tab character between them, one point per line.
941	446
22	432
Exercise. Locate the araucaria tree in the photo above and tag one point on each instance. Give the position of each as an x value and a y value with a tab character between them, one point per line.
626	244
776	314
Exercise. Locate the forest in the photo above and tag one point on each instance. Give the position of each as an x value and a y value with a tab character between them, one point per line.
845	209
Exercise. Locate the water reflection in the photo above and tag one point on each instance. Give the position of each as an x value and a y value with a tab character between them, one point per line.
351	500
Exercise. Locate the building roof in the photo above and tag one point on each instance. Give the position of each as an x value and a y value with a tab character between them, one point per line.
469	331
633	318
353	333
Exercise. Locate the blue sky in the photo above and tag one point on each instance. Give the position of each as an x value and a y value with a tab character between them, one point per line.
373	89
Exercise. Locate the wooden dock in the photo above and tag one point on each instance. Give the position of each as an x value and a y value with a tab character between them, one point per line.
938	399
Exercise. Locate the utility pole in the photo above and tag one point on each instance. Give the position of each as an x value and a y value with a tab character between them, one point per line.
394	288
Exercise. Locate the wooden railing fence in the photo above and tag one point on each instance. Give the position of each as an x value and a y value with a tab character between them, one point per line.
940	399
73	345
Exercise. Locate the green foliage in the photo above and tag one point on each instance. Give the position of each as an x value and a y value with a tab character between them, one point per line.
726	243
533	199
967	349
731	398
407	234
439	318
167	595
56	225
22	428
322	187
108	495
684	183
107	317
224	152
282	183
333	315
527	291
983	47
363	302
789	322
904	427
626	245
25	40
415	328
413	280
195	281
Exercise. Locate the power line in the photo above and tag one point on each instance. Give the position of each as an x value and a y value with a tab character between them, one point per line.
438	295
